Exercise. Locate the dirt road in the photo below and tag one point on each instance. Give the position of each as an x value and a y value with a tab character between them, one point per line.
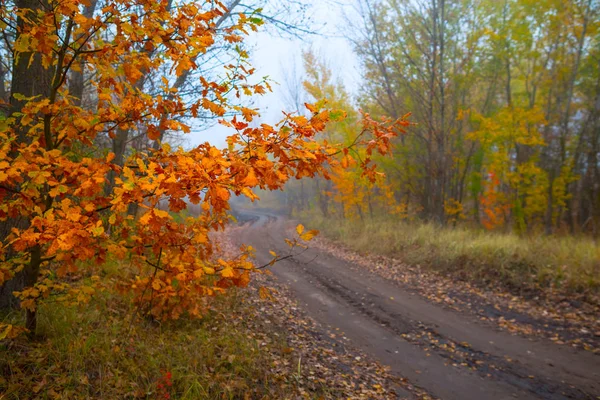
449	354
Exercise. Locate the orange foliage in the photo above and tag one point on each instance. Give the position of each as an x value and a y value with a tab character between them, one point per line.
357	186
494	209
60	189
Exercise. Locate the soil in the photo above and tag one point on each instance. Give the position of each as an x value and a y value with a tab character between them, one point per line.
449	352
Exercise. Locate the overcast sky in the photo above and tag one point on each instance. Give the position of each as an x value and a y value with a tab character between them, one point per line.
272	54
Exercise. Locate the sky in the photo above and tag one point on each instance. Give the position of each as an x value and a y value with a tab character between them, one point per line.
275	56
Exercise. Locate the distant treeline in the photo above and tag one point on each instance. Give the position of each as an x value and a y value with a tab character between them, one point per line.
505	97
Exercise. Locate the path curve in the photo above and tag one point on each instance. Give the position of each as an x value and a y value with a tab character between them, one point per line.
448	353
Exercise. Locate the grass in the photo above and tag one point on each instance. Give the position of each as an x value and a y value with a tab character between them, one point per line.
97	352
569	265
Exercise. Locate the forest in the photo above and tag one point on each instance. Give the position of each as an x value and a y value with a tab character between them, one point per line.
430	231
504	99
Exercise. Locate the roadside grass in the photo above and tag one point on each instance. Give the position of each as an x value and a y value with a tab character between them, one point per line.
525	265
97	351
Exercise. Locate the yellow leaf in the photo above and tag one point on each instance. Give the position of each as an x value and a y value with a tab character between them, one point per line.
250	179
222	193
209	270
8	331
248	113
97	231
311	107
248	193
309	235
145	219
271	252
264	293
244	280
161	213
227	273
73	216
300	229
141	165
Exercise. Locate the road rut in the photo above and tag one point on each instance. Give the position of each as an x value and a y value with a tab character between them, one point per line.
449	354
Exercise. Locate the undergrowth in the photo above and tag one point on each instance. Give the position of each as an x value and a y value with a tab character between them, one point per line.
98	351
527	265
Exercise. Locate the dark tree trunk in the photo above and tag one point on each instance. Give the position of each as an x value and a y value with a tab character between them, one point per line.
28	79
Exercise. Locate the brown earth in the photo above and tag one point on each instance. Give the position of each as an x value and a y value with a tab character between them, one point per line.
449	353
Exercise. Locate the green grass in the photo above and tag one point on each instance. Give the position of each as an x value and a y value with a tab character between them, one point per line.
98	352
569	265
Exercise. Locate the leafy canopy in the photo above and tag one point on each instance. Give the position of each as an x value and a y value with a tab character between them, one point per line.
56	175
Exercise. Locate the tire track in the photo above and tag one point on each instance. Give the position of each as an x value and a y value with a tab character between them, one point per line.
440	350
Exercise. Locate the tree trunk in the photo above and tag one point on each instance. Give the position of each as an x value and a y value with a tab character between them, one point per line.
28	79
571	208
32	271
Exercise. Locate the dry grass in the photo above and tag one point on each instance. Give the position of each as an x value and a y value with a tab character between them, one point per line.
96	352
567	265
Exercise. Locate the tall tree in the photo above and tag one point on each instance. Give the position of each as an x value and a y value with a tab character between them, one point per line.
479	75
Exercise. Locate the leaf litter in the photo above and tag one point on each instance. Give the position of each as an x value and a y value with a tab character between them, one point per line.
563	320
317	362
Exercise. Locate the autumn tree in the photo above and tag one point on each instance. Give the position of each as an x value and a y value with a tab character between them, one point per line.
67	201
504	96
351	190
